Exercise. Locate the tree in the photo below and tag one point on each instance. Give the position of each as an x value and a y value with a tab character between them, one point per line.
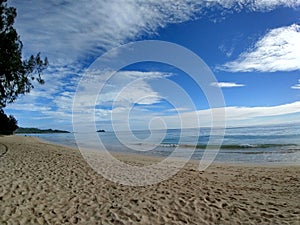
8	123
16	75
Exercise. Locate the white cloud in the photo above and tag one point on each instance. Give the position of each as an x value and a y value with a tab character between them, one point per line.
296	86
226	84
227	51
271	4
122	89
278	50
119	92
52	99
29	107
235	116
255	5
70	30
238	113
243	115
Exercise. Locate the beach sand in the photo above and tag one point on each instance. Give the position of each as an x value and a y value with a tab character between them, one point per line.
43	183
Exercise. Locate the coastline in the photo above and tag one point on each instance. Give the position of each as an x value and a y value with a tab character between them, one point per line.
46	183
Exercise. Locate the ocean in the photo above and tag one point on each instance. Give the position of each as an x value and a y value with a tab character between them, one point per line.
272	144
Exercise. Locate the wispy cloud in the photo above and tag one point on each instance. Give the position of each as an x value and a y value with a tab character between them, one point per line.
72	30
226	84
278	50
29	107
269	4
296	86
55	97
123	89
227	51
72	33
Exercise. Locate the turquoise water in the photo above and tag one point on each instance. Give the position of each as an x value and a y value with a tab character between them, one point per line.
261	144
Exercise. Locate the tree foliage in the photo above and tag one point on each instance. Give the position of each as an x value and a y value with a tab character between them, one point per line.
8	123
16	75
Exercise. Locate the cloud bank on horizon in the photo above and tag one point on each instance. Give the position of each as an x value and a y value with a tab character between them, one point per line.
73	33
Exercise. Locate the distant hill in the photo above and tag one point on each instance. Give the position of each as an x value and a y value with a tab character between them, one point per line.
23	130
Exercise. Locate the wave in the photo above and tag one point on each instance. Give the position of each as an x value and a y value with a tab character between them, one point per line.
231	146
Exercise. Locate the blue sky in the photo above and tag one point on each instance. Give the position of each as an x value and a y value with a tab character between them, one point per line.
252	47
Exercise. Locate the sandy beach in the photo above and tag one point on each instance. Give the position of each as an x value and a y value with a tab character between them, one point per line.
43	183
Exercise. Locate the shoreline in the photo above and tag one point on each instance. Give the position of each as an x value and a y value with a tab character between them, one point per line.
192	160
46	183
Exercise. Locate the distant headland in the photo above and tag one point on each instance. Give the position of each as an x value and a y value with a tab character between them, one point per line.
23	130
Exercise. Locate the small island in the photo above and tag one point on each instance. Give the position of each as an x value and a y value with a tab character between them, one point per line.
100	131
23	130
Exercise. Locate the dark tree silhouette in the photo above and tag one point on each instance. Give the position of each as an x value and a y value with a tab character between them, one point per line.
8	123
16	75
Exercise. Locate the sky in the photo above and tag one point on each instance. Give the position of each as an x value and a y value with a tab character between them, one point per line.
251	46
